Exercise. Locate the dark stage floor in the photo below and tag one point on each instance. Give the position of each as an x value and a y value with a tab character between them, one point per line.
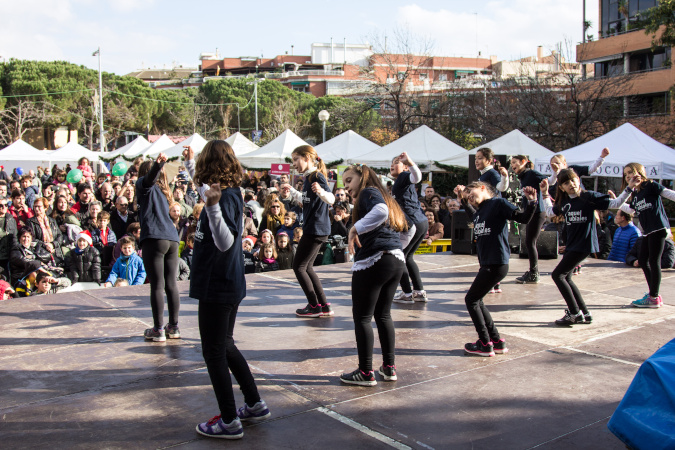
76	372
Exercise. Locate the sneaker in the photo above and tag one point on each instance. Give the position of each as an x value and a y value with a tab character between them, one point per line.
155	334
255	413
570	319
529	277
388	372
404	298
479	349
326	310
492	291
647	302
172	331
216	428
420	296
309	311
588	318
500	346
660	301
359	377
578	270
497	288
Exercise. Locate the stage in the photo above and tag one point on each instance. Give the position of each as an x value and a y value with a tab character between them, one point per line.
77	373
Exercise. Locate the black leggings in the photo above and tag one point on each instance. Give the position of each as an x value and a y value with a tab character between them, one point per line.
411	270
216	325
373	290
487	278
160	258
562	277
303	264
532	231
649	257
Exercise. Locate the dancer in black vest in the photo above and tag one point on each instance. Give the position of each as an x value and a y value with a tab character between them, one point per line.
159	240
578	209
217	281
490	218
315	199
378	264
406	175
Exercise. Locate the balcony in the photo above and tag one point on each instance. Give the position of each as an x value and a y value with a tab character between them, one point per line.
305	73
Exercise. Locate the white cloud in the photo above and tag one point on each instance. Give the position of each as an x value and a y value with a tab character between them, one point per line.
130	5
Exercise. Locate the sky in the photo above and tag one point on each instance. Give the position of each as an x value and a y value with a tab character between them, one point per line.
135	34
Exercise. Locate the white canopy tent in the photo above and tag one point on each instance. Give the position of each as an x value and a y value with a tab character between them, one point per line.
349	146
195	141
512	143
136	146
275	152
424	146
72	152
160	145
241	144
21	154
626	144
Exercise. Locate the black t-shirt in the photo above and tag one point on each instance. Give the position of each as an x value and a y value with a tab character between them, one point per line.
492	177
491	231
381	238
582	234
649	208
316	220
532	178
403	190
217	276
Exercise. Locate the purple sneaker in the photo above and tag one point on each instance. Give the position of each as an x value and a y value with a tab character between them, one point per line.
216	428
255	413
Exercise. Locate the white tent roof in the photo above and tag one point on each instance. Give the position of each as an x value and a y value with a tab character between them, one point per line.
160	145
73	151
626	144
241	144
512	143
423	145
136	146
195	141
21	154
275	152
348	146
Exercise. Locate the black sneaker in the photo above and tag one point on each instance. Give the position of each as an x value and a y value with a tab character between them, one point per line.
388	372
479	349
570	319
588	318
359	377
326	310
500	346
529	277
172	331
309	311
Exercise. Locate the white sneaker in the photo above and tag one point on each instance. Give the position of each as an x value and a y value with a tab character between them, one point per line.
420	296
404	298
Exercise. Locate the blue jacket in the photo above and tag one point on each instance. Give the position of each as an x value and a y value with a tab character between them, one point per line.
130	268
624	239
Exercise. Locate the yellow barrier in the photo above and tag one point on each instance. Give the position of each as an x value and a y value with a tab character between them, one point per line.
439	245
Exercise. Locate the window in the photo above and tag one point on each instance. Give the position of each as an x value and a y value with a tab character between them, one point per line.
443	77
649	104
645	61
609	68
424	76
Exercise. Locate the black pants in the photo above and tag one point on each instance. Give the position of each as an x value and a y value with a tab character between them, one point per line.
562	277
160	258
303	264
651	250
216	326
412	272
373	291
487	278
532	231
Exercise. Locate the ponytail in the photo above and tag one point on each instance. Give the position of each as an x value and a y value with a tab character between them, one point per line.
528	165
307	151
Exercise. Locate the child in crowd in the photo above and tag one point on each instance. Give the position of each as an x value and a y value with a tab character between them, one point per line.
128	266
103	238
247	248
379	263
84	262
134	232
297	235
218	282
27	286
267	259
6	291
43	283
578	209
186	255
121	282
285	251
289	224
647	205
265	237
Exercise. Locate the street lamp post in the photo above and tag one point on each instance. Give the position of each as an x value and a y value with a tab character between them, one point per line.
323	117
100	97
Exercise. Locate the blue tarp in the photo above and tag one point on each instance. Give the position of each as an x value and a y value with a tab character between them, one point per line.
645	418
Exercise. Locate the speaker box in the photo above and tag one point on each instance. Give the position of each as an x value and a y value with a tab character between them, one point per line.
547	244
462	234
